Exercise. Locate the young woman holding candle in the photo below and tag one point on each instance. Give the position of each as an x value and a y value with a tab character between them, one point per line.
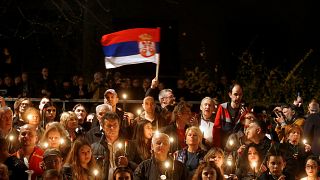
80	163
250	165
55	136
140	148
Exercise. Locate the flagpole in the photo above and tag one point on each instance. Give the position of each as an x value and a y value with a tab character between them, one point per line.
157	68
158	63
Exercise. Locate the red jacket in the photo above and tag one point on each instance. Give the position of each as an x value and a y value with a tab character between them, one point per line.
223	126
34	160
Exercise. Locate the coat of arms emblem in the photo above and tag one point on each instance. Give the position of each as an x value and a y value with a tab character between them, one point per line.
147	47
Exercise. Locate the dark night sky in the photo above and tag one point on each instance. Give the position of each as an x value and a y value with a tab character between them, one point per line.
63	33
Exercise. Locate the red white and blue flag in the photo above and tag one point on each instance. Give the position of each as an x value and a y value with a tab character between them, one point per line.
131	46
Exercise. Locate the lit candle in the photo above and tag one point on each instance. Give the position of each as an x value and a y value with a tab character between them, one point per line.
231	142
45	145
11	137
229	162
62	141
124	96
95	173
156	132
125	147
304	141
254	165
119	145
139	112
171	139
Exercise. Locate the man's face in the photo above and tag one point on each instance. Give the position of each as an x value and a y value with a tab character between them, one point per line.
111	128
28	137
288	113
149	105
168	99
24	105
161	145
313	108
53	162
100	113
236	95
111	99
45	72
6	120
276	165
252	131
207	108
209	173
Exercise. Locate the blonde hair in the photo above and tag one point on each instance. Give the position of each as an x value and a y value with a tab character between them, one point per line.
65	118
196	130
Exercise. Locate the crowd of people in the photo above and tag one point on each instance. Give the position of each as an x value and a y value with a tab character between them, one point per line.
167	140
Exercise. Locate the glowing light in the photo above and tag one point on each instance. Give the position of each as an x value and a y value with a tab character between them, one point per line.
156	133
167	164
229	162
163	177
139	111
95	172
62	141
171	139
11	137
231	142
304	141
120	145
45	144
254	164
124	96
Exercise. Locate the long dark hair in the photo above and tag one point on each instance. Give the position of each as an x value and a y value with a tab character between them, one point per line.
244	164
143	148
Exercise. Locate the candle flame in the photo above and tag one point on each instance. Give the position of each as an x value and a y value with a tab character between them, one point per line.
119	145
61	141
254	164
171	139
11	137
124	96
167	164
304	141
45	144
95	172
231	142
229	162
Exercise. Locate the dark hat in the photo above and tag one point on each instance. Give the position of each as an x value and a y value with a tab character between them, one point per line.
51	152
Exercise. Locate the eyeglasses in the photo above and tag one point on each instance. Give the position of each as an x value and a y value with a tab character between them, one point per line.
311	167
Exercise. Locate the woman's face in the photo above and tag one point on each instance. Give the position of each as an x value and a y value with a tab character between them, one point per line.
294	137
54	139
72	123
209	173
147	131
217	158
33	119
123	176
85	154
81	113
51	113
192	138
311	168
253	155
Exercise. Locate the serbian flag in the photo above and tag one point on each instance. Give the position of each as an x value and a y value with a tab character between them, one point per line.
131	46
